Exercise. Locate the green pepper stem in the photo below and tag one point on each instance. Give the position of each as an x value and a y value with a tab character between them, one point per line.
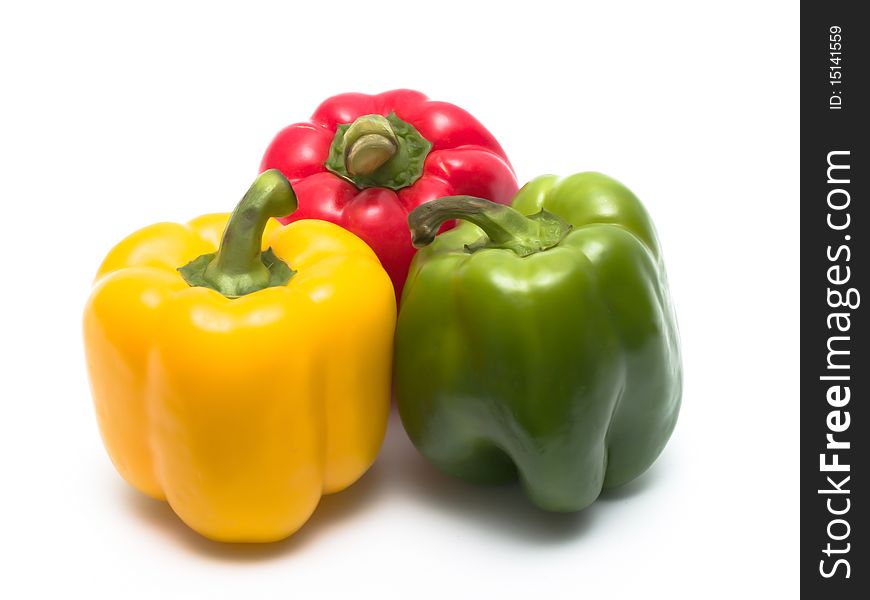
504	227
237	268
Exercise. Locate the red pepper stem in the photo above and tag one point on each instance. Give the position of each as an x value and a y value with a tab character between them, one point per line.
504	227
378	151
370	142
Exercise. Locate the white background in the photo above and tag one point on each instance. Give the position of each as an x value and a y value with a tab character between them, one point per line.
112	118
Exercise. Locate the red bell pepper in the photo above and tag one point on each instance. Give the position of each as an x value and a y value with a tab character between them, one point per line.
364	162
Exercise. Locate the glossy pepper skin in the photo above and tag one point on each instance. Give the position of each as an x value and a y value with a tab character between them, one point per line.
241	407
545	349
365	161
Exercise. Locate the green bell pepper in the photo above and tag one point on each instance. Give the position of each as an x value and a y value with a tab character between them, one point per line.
540	347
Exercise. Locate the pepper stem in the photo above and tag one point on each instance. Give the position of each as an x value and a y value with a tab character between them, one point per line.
378	151
239	267
370	142
504	227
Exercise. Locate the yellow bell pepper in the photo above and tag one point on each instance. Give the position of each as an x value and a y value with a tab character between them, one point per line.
247	383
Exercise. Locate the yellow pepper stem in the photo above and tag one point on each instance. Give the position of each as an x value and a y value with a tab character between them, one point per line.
239	267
